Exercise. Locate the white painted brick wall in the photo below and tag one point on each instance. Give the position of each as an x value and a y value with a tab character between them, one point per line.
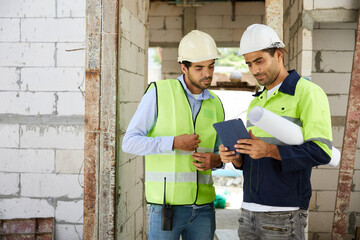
171	35
27	160
9	77
324	179
130	91
329	82
9	30
9	136
320	221
334	61
156	22
67	231
326	200
338	105
161	9
69	211
50	185
9	183
70	8
48	30
173	23
241	21
26	8
26	207
207	22
69	161
128	59
70	54
27	103
27	54
50	79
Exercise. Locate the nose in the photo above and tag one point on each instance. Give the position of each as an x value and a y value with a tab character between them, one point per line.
208	72
255	70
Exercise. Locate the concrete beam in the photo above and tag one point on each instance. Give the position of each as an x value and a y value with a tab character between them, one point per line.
189	20
274	15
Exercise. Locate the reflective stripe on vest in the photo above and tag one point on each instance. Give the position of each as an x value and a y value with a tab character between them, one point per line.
184	184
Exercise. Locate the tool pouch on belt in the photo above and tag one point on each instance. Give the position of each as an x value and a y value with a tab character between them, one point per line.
166	213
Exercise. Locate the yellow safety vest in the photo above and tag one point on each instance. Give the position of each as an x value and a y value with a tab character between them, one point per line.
184	184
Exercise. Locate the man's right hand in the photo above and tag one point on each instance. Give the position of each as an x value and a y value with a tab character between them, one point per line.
230	156
186	142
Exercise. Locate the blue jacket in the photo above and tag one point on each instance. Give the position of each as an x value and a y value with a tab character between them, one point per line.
285	183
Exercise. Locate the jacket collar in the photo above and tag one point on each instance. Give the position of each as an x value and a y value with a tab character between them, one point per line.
205	94
289	84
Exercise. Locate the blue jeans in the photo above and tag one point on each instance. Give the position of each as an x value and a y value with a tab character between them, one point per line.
191	223
272	225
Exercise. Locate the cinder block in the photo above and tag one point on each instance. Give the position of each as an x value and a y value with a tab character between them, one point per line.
69	211
27	54
129	232
332	61
306	61
169	54
129	108
248	8
58	137
156	23
69	161
125	22
131	5
306	41
71	8
70	103
9	30
70	54
137	32
52	79
312	203
325	200
338	25
357	160
171	66
9	183
354	202
332	83
141	67
51	185
173	23
319	236
127	175
25	208
203	21
240	21
68	231
27	160
356	181
27	103
172	35
237	34
324	179
139	170
164	9
294	13
10	79
352	4
214	9
139	221
334	39
320	221
9	135
338	105
129	86
308	4
338	136
23	8
133	199
221	35
128	56
47	30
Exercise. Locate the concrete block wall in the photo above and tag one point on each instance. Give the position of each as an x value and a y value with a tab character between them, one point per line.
131	206
333	49
42	112
166	27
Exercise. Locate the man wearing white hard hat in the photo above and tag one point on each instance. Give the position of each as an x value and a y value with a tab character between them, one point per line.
277	187
172	128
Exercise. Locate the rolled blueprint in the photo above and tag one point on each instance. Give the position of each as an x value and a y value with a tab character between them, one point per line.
275	126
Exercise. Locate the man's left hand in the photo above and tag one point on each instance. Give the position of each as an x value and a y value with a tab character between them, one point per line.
206	161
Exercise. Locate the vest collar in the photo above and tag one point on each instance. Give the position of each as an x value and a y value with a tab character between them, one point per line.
289	84
205	94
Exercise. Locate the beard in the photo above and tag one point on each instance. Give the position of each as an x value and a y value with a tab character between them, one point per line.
201	83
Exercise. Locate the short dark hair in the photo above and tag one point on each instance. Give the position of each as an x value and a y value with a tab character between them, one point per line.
186	63
272	51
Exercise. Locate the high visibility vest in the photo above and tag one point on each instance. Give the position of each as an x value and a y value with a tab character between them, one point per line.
308	108
184	184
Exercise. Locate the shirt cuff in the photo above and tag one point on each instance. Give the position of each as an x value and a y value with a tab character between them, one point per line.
167	144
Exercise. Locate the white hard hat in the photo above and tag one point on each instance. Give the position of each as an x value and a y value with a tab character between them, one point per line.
258	37
197	46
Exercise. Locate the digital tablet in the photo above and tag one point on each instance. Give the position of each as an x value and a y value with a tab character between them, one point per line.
230	131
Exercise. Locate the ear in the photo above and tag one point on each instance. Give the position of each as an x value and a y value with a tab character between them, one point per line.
184	69
279	55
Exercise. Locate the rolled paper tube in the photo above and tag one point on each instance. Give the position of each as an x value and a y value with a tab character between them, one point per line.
275	126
